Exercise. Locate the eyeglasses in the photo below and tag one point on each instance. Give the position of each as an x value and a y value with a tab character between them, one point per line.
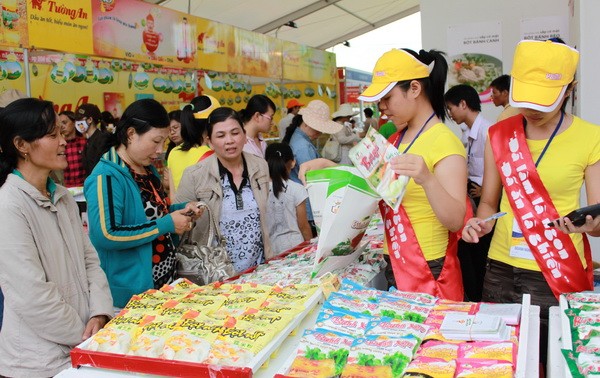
267	117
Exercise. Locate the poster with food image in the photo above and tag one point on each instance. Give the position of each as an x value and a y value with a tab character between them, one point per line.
476	70
475	55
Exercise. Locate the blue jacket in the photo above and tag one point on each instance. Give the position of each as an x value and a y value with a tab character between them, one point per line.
119	228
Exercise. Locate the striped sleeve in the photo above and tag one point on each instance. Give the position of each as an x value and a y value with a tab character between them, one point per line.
108	225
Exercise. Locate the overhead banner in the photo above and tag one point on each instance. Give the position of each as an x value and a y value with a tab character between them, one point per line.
132	29
215	44
13	27
305	63
62	25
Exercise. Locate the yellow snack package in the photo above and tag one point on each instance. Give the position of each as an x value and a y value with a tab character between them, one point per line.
247	335
118	334
267	319
151	337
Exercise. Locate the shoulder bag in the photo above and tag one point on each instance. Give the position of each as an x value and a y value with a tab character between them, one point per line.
203	264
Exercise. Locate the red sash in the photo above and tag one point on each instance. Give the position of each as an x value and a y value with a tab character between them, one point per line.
410	267
532	206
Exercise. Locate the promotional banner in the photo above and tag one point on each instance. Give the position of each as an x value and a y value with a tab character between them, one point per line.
145	32
475	55
542	28
62	25
215	44
13	28
305	63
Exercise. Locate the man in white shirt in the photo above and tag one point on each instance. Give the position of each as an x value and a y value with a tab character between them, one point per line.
464	107
293	107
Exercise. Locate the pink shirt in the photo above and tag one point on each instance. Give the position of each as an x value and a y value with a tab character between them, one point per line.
256	149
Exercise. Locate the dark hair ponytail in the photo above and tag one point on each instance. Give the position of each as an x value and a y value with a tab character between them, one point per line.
257	104
192	129
29	119
296	122
433	85
277	156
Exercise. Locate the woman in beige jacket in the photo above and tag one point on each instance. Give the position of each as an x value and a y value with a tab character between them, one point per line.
56	294
235	185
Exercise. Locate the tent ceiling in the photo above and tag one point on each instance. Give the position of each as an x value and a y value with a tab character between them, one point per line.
321	24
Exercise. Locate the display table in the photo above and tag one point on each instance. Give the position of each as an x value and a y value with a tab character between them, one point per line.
527	361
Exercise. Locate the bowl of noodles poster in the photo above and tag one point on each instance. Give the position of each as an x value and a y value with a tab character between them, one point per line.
476	70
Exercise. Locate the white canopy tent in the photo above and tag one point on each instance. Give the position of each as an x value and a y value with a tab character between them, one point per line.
320	24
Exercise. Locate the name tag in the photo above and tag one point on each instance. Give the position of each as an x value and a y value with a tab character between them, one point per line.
519	247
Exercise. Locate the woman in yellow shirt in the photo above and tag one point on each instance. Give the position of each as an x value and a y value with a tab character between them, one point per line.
193	132
539	160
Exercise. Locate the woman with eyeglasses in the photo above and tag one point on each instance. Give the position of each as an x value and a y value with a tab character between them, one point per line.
257	118
131	221
235	185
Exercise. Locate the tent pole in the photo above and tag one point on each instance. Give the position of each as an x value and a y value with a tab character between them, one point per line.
27	77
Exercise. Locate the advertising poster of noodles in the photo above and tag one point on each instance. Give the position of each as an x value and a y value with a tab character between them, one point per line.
475	55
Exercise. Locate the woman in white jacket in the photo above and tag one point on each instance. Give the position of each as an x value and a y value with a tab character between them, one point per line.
56	294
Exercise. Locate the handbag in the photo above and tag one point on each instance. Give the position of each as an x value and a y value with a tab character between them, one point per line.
332	150
203	264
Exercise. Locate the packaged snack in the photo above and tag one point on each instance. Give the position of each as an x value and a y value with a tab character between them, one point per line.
439	349
201	303
342	301
151	338
291	309
396	328
418	298
118	334
448	305
250	336
488	350
270	320
399	309
227	354
422	367
347	322
321	353
466	368
380	356
342	204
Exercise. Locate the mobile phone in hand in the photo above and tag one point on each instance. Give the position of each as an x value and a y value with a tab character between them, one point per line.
577	217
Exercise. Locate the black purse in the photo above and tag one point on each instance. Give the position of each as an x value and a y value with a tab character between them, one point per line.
203	264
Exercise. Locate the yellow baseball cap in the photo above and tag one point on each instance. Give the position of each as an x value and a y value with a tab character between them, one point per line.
394	66
541	73
204	113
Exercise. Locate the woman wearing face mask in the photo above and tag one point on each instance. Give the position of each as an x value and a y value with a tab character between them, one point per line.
539	160
88	121
131	222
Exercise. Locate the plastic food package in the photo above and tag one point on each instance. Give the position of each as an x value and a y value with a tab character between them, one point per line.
343	204
380	356
321	353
